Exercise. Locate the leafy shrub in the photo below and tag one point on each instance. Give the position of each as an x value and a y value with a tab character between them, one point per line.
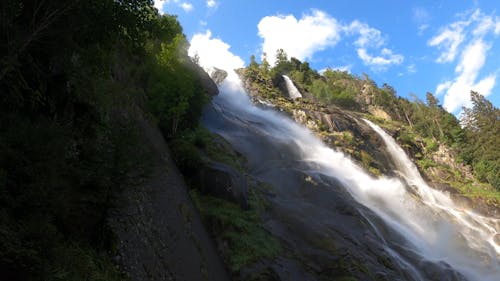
247	241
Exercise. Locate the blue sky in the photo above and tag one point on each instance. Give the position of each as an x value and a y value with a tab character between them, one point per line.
445	47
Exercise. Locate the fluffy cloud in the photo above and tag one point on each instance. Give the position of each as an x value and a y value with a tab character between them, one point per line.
369	37
160	5
412	68
211	3
448	41
187	7
473	32
386	58
421	17
457	91
213	52
299	38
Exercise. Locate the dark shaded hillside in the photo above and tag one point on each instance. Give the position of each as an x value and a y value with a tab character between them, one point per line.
72	74
158	230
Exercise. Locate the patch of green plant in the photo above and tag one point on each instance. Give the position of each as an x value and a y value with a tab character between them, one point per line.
245	240
77	263
470	188
221	151
194	148
407	137
426	163
431	145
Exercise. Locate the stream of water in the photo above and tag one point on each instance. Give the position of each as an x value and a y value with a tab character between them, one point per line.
435	229
292	90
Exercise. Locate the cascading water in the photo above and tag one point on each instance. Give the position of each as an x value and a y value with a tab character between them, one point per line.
459	233
434	230
292	90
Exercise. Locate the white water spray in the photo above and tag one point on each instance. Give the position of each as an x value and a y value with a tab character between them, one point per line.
435	229
476	235
292	90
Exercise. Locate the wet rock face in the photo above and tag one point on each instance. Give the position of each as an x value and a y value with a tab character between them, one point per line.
159	233
323	231
207	83
223	181
218	75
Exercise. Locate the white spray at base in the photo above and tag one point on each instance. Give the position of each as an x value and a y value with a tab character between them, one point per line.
436	230
462	234
293	93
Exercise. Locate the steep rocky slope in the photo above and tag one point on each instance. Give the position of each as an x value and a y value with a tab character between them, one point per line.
159	232
323	233
342	130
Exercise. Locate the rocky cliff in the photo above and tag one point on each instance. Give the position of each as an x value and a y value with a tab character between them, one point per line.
341	129
159	232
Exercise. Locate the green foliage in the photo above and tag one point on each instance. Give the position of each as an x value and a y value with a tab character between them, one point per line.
246	241
186	150
57	187
476	144
331	89
73	74
431	145
176	96
482	131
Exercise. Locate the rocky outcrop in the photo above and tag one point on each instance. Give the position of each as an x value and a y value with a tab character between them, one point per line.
378	112
223	181
206	81
323	232
160	234
338	128
217	75
444	156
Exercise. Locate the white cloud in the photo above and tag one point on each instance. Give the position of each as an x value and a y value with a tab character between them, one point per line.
474	31
422	28
381	62
448	41
187	7
485	25
213	52
443	87
159	5
458	91
299	38
421	17
211	3
412	68
368	36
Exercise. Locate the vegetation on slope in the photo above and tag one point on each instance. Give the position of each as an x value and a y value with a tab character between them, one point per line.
425	129
72	76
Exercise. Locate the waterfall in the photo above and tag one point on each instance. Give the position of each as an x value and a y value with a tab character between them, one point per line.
467	234
435	231
293	93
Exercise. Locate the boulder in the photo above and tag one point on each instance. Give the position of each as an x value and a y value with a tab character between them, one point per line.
206	81
218	75
223	181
